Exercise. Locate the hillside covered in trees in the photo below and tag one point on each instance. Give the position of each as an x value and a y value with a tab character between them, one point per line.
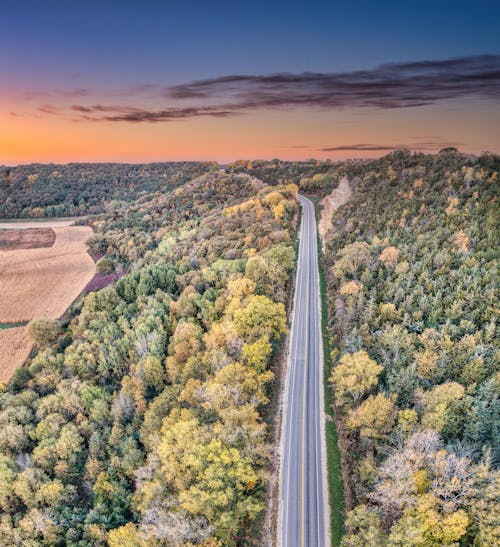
142	421
48	190
412	269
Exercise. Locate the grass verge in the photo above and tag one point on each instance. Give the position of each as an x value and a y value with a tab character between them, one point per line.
335	482
13	325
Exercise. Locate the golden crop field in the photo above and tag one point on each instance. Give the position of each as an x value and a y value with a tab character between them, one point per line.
14	349
37	283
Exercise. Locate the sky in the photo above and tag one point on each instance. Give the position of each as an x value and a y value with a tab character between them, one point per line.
223	80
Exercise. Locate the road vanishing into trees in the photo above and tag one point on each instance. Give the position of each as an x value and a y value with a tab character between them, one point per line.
304	510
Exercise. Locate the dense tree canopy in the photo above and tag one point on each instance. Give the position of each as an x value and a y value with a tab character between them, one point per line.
38	190
141	422
412	269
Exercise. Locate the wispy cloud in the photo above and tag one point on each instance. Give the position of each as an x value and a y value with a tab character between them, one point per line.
420	146
72	93
361	147
48	109
389	86
34	94
112	113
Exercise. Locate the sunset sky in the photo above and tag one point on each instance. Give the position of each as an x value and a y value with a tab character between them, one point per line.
195	80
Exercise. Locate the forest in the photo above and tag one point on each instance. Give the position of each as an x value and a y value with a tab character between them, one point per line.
142	418
412	270
75	189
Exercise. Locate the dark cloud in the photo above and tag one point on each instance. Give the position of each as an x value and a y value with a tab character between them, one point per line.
48	109
429	145
136	115
388	86
363	147
79	108
72	93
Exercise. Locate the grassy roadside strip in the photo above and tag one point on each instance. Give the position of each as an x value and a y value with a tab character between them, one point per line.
335	482
13	325
296	244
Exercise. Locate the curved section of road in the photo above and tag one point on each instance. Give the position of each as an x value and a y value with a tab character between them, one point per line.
304	510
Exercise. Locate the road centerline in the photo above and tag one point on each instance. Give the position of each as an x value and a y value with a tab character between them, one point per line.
303	489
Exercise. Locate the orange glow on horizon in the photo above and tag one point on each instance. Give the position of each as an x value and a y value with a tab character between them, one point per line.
292	135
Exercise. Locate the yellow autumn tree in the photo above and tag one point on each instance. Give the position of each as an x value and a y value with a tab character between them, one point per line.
350	288
279	211
260	317
354	376
389	256
436	402
209	478
426	363
425	525
351	258
222	489
125	536
374	418
257	353
273	198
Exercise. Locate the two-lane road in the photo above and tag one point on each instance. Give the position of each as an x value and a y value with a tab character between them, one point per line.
303	514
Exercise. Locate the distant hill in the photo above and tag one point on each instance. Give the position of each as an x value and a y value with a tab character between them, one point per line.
48	190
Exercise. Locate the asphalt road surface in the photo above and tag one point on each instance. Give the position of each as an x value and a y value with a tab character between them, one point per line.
303	514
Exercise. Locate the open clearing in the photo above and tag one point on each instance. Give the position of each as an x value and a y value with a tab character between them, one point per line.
40	282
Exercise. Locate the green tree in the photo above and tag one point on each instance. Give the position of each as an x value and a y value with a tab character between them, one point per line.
363	527
43	331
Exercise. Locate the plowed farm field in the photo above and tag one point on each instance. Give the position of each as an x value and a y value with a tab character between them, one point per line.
38	283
